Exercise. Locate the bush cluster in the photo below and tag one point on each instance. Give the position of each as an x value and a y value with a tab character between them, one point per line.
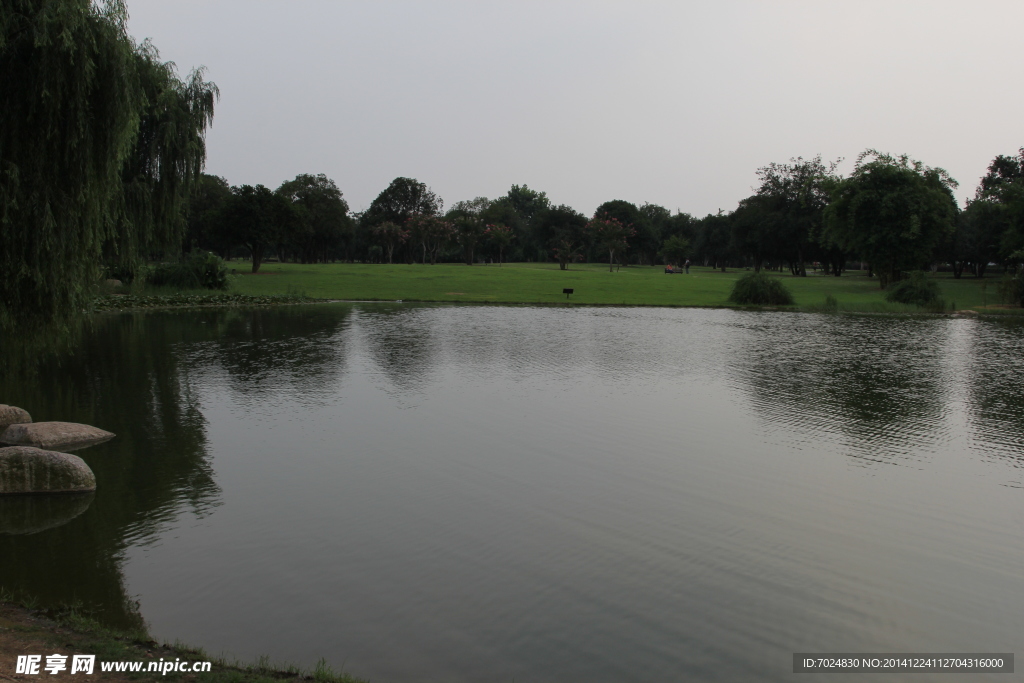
1012	289
916	289
758	288
198	270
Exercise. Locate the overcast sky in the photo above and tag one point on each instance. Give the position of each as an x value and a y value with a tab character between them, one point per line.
674	103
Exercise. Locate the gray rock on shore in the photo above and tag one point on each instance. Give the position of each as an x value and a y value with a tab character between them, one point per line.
51	435
12	415
33	470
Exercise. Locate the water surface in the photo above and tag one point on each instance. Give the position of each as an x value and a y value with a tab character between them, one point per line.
446	493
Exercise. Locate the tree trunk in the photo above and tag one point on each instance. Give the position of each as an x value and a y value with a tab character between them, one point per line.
257	256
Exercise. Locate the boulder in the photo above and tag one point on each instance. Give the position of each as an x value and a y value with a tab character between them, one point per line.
28	514
12	415
49	435
33	470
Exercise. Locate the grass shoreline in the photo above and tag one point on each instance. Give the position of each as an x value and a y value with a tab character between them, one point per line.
533	284
25	629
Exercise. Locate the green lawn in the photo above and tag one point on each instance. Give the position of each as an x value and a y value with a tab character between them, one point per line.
593	284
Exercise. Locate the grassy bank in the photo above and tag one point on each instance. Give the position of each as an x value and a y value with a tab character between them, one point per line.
542	283
68	631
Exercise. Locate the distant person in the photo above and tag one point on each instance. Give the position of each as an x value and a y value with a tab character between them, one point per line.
686	266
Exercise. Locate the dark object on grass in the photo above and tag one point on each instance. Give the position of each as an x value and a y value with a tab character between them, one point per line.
916	289
567	291
199	270
758	288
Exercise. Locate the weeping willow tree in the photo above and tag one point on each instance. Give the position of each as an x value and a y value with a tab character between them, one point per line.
99	145
164	165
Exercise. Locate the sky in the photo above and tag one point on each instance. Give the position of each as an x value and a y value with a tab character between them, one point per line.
674	103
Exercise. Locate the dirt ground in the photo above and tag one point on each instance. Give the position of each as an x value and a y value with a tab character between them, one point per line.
24	632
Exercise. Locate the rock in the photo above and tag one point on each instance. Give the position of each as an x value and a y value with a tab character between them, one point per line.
33	470
62	435
30	514
12	415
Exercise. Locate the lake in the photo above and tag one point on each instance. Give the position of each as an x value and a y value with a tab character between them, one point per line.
463	493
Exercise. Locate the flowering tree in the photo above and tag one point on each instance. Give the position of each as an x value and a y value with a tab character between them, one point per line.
468	231
611	234
501	236
391	236
431	233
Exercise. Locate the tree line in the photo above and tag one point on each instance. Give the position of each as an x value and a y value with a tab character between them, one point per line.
102	147
893	214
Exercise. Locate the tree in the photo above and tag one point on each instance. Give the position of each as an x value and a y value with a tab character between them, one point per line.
563	230
755	229
500	236
713	241
654	226
430	232
165	164
465	217
791	200
323	222
675	250
100	146
629	218
403	198
611	235
256	217
892	211
206	205
1003	188
977	237
68	118
528	205
390	235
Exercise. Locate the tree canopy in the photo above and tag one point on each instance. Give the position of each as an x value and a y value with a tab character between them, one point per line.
402	199
100	145
893	211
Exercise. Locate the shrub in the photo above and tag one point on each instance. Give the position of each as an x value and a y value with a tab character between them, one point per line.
1012	289
758	288
831	304
916	289
198	270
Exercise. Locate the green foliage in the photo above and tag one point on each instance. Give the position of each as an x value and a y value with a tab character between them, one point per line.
894	212
500	236
198	270
403	198
165	163
675	250
205	213
916	289
760	289
610	234
831	304
390	235
190	300
69	115
100	144
258	219
1011	289
323	223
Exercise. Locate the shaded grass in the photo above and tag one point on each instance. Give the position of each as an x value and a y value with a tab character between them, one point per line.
542	283
70	629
